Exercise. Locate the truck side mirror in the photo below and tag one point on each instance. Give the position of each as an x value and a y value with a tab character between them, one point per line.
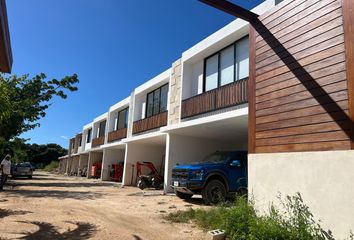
235	163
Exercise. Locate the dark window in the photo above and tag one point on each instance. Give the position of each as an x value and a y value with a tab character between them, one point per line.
89	133
102	129
122	119
80	141
163	98
156	101
150	104
226	66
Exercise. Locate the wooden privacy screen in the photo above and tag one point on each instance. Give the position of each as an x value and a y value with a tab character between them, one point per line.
298	90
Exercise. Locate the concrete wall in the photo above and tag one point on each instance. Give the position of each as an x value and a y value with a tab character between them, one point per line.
94	157
324	179
140	152
186	149
68	165
62	165
111	156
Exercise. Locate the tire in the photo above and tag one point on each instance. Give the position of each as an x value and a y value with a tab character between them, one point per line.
182	195
142	184
214	192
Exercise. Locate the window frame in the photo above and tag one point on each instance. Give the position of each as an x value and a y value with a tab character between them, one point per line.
125	119
153	105
218	53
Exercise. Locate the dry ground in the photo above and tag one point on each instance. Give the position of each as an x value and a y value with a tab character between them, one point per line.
56	207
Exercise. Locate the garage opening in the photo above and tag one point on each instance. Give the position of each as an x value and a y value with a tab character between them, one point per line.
153	150
95	164
192	143
74	166
83	165
113	163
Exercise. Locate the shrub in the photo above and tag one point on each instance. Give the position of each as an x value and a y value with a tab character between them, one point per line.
291	221
52	166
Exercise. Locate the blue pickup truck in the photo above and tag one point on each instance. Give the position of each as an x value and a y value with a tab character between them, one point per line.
216	177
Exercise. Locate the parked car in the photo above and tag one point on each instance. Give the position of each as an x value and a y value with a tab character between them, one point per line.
22	170
216	177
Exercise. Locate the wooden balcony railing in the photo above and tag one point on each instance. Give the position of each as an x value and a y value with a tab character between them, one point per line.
97	141
150	123
226	96
117	135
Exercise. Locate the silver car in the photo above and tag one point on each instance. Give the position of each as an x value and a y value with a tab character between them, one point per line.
22	170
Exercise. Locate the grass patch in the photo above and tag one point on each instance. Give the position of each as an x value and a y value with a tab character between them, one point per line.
52	166
241	221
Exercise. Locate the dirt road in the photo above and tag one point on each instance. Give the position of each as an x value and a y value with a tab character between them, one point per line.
56	207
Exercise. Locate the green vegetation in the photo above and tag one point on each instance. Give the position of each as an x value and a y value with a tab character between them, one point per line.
38	155
52	166
24	101
291	221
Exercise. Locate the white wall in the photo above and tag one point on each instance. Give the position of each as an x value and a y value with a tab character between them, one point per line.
111	156
185	149
140	152
87	146
324	179
192	79
139	107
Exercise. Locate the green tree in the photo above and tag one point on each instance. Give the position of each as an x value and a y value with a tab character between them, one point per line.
24	100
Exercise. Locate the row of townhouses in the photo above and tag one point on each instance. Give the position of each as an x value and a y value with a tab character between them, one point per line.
280	87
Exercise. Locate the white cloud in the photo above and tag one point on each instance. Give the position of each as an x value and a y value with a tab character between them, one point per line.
65	137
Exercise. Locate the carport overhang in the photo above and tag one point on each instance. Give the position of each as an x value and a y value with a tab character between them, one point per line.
225	126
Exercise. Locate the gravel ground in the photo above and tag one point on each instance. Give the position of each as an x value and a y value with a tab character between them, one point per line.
57	207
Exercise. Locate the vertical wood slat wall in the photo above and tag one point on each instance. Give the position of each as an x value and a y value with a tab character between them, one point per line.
228	95
150	123
348	17
286	116
117	135
98	141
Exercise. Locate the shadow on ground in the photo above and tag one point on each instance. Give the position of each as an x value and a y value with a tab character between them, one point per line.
152	193
61	184
136	237
47	231
6	212
194	201
78	195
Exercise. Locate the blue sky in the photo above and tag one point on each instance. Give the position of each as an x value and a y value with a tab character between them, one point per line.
113	46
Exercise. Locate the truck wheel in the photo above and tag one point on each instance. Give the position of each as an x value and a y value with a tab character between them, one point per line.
214	192
182	195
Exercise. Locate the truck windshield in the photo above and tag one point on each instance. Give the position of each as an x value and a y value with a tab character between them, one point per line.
215	158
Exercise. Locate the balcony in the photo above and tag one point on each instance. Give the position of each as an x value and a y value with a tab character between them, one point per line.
226	96
117	135
150	123
97	141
